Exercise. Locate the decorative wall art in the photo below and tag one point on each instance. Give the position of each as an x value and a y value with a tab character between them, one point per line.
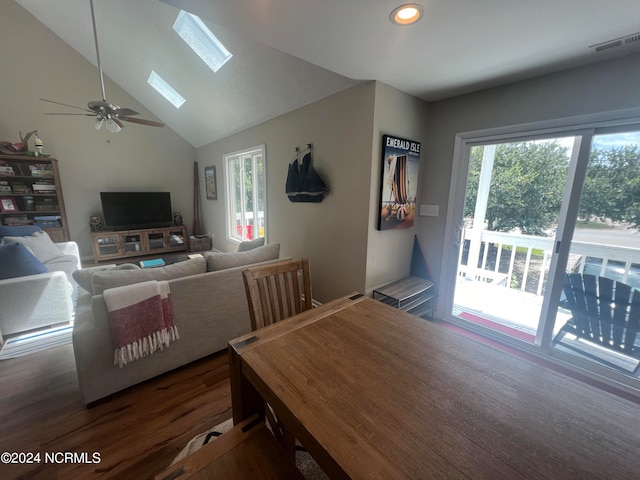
210	182
398	182
303	182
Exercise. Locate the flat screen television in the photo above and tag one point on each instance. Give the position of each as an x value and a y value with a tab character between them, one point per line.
133	210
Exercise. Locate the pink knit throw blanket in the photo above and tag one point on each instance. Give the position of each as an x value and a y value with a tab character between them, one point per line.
141	318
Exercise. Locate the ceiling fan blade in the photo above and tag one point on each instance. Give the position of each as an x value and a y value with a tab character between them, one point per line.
81	114
142	121
124	112
65	105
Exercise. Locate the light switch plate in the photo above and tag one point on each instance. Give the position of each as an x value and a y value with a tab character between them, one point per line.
429	210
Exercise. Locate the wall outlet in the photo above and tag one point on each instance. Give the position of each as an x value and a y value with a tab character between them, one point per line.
429	210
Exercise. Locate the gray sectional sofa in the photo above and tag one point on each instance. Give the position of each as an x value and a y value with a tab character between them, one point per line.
209	304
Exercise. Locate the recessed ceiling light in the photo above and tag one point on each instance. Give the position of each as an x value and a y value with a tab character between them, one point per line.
406	14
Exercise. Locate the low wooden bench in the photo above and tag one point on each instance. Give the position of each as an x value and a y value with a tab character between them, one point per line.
247	451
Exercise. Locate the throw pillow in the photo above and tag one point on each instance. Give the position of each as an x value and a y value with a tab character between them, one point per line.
17	261
222	261
40	244
18	231
83	277
117	278
250	244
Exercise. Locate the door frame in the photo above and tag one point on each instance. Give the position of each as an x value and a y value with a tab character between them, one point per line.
584	127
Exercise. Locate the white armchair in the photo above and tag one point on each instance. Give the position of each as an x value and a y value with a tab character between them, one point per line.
43	299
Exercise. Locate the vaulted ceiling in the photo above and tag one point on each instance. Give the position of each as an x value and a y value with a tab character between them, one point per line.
289	53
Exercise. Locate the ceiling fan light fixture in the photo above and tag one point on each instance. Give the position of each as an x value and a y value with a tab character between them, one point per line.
406	14
201	40
112	125
99	122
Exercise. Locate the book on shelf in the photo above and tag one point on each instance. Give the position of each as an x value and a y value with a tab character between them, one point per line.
47	224
20	188
46	207
6	170
176	239
43	188
17	220
45	221
41	170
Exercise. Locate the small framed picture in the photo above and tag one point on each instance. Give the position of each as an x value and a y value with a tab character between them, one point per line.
8	204
210	182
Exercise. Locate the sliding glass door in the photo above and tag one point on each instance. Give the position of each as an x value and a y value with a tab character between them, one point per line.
605	243
527	209
510	217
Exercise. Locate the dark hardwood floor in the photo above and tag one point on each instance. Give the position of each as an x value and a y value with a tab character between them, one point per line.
136	433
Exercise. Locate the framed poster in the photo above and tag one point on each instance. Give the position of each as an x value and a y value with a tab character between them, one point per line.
210	183
8	204
398	182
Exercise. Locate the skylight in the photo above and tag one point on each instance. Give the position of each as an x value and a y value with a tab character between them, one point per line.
164	89
201	40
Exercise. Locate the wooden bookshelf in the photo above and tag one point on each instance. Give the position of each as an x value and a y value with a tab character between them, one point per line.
31	194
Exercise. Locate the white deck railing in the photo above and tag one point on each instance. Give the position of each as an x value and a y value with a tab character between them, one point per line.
579	251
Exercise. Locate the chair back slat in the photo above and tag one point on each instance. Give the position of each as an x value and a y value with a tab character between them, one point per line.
605	311
277	291
622	302
633	325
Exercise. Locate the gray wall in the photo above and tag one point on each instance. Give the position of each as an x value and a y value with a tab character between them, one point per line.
338	235
606	86
389	251
38	64
333	233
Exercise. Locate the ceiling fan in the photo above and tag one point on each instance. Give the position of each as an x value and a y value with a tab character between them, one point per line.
106	113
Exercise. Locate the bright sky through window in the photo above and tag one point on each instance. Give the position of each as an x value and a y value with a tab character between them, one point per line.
166	90
201	40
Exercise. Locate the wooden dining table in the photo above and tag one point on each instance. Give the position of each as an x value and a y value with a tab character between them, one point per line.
376	393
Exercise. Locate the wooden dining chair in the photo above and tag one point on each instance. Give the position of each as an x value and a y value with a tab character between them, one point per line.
274	292
277	291
247	451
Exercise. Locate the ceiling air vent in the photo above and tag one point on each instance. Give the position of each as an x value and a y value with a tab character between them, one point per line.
629	41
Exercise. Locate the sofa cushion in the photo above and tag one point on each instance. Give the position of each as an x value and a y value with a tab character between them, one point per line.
83	277
17	261
112	278
40	244
18	231
222	261
250	244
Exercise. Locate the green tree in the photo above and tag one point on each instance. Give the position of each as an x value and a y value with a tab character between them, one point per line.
612	185
526	186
